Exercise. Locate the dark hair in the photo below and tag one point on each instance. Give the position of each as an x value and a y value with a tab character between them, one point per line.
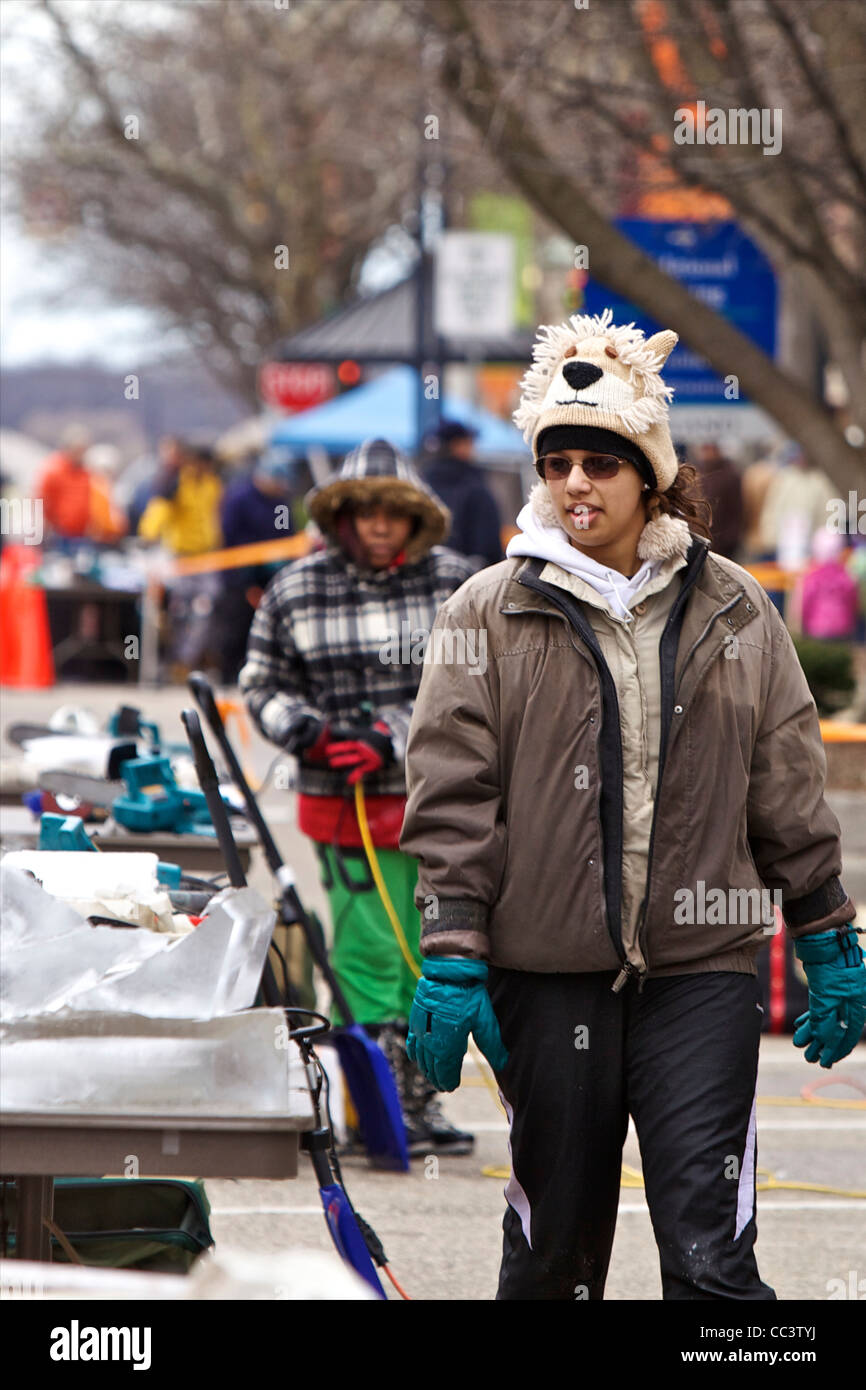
684	498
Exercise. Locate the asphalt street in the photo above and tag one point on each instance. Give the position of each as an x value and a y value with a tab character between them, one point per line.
440	1223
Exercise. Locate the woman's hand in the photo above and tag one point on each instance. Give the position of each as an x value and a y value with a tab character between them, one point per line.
834	968
450	1003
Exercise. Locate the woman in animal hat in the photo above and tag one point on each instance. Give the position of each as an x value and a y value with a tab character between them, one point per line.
606	820
332	669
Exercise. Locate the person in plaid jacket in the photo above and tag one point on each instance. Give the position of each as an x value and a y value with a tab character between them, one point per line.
332	670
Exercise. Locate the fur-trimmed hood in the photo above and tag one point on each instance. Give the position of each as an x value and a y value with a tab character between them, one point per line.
377	470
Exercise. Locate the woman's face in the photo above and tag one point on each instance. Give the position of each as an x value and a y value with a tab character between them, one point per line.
382	531
596	513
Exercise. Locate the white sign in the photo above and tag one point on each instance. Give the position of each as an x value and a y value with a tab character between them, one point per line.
731	424
474	294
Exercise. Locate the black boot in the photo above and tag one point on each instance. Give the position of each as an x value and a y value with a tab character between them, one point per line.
427	1130
391	1037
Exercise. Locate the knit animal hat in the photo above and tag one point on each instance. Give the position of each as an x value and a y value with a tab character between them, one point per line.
596	386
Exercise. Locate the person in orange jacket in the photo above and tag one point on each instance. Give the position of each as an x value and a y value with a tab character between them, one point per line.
64	486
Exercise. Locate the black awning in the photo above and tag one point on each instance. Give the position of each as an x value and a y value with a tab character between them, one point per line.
381	329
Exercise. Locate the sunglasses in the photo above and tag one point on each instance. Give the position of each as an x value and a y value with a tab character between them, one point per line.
555	467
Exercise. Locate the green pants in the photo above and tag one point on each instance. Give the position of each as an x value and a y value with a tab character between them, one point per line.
367	960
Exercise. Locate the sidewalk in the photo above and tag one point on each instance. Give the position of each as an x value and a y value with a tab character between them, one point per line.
442	1231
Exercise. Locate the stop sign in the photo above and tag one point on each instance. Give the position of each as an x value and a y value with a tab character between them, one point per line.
295	385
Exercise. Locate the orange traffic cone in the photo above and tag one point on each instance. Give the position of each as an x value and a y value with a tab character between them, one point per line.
25	637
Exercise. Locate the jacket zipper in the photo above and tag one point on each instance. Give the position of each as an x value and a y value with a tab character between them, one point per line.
620	981
629	970
720	614
596	651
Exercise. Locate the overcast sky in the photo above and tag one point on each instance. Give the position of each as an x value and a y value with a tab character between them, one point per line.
43	312
32	273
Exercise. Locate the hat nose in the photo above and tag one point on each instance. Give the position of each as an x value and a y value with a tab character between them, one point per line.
581	374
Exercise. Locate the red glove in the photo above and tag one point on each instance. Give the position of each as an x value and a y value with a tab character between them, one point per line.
310	745
360	750
318	751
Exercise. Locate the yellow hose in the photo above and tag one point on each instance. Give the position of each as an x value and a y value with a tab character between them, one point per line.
369	848
378	879
631	1177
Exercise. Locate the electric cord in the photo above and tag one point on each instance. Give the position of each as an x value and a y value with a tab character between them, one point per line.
321	1094
375	869
285	969
374	1245
631	1177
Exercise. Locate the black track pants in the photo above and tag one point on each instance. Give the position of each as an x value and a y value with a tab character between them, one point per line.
682	1058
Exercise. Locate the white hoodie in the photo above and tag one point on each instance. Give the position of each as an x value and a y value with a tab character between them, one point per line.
549	542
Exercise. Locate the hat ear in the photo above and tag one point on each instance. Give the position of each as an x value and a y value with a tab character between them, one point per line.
662	344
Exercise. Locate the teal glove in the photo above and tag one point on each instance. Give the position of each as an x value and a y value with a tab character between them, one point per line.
833	963
450	1003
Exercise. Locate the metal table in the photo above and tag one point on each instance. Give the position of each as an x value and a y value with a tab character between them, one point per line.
33	1145
100	622
196	854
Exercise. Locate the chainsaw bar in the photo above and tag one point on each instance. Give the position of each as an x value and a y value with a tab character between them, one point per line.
95	790
19	734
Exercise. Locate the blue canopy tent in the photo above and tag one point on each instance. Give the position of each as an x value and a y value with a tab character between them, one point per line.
387	408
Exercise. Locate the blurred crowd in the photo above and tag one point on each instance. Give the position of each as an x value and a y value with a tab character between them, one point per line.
779	510
189	502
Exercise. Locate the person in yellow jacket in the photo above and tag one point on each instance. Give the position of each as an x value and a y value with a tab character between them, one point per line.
183	515
183	512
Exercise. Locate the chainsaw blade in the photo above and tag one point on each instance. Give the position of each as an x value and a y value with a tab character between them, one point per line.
95	790
21	734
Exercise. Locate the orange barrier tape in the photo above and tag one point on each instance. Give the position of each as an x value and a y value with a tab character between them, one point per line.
771	576
842	733
234	709
259	553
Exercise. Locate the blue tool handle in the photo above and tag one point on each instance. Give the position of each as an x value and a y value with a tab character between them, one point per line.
58	832
168	874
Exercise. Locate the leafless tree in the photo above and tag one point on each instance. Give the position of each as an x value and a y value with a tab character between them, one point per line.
577	103
184	145
260	127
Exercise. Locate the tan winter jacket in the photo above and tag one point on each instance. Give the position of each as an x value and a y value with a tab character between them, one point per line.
631	653
557	831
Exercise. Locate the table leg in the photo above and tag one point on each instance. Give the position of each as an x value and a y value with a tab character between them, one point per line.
35	1205
148	666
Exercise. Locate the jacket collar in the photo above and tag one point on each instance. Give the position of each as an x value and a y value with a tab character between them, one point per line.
713	594
714	581
551	573
717	590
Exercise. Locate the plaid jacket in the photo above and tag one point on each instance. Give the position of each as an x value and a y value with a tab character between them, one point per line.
329	636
